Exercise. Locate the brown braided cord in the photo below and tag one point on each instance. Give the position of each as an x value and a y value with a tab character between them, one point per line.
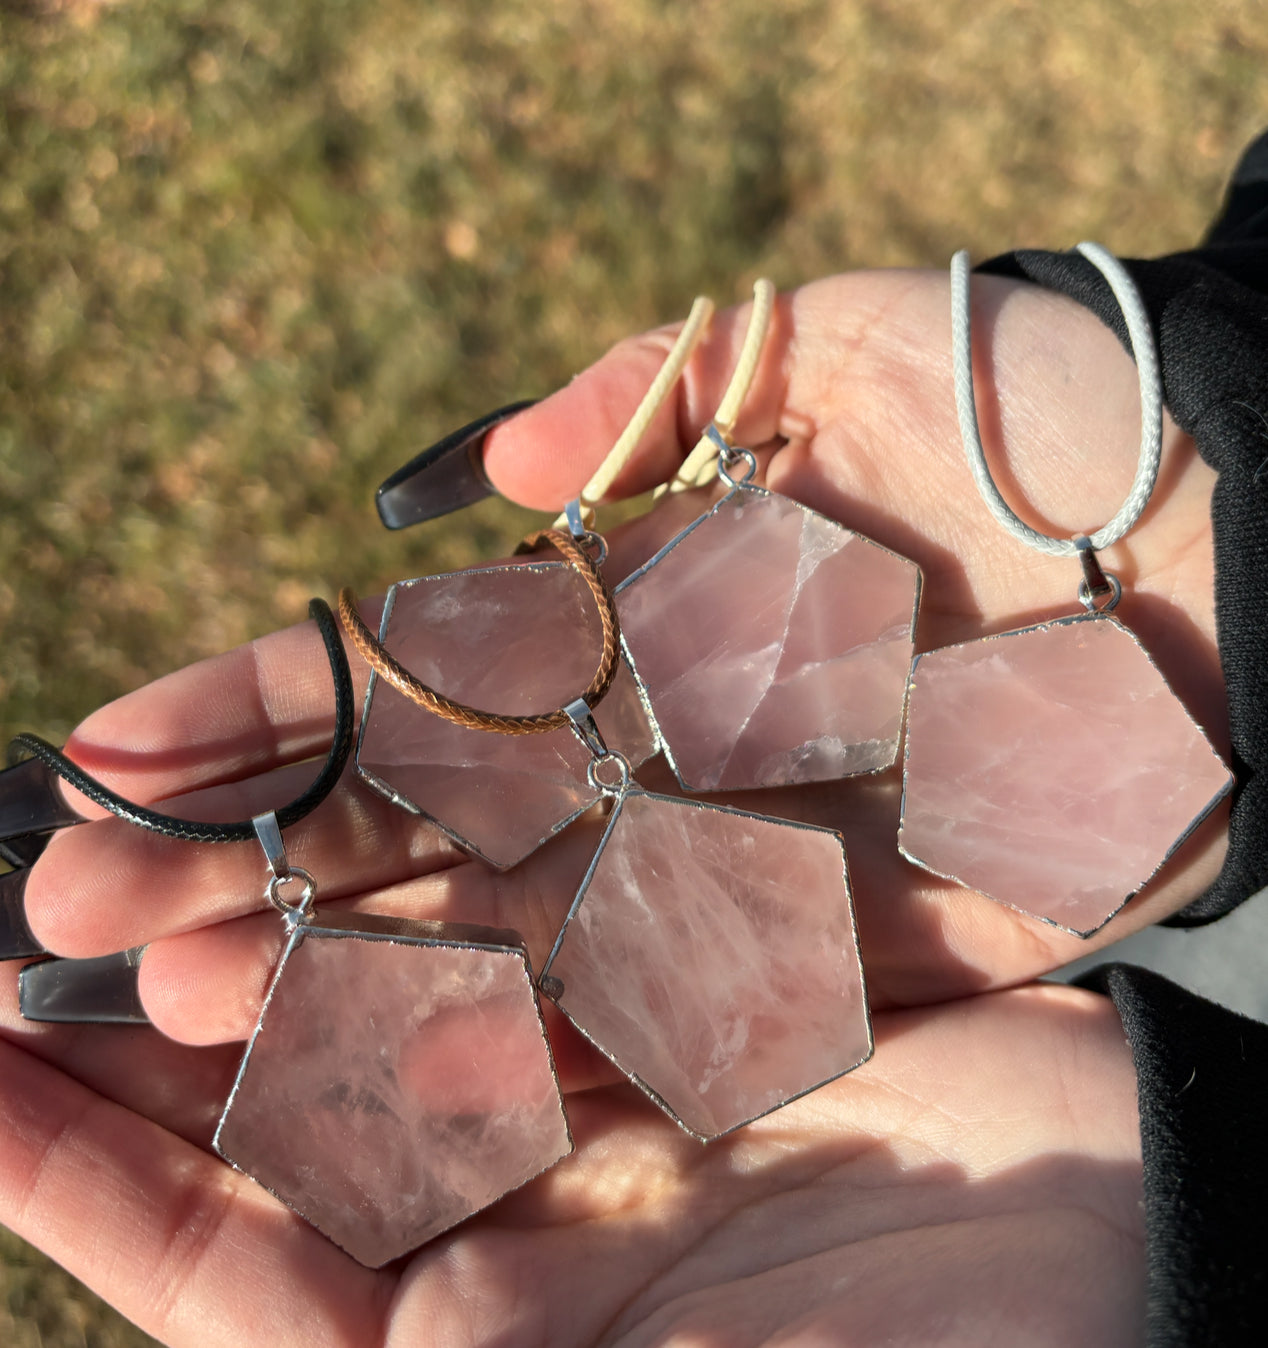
389	668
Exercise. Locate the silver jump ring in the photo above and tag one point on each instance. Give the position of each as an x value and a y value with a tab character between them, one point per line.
596	546
730	458
297	912
594	777
729	455
594	543
1088	599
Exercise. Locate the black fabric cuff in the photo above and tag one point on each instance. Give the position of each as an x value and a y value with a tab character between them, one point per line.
1202	1083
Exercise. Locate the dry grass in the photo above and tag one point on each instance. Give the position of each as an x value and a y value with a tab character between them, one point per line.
253	256
44	1307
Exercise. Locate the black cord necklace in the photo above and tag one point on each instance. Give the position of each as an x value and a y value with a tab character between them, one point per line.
23	747
366	1099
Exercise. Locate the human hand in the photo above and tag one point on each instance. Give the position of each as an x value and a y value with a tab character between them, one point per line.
856	368
854	413
978	1181
853	403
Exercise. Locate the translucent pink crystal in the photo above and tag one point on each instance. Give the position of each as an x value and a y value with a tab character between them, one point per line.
517	639
1052	769
713	958
637	541
773	645
393	1088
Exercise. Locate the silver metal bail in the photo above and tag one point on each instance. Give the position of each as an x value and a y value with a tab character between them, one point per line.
270	836
605	761
731	457
576	521
719	440
584	727
1097	584
589	538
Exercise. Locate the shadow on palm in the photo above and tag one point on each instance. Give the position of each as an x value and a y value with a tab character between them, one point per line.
981	1169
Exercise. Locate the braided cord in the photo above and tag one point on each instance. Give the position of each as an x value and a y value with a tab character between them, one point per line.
1140	334
387	667
187	830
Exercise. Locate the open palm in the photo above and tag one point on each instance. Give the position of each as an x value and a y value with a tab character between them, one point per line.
853	402
978	1181
980	1177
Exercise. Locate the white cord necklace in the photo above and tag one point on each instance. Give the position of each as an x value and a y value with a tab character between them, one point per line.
1050	768
1143	349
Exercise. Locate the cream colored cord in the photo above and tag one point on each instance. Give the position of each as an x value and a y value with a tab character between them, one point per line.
700	466
618	456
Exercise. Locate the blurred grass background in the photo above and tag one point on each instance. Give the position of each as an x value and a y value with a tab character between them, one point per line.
254	256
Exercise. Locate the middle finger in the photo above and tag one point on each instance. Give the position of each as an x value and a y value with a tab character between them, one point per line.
107	885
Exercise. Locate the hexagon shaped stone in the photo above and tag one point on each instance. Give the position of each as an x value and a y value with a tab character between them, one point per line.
773	645
711	954
518	638
398	1081
1052	769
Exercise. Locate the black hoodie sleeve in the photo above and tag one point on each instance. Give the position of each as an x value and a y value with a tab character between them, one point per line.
1202	1084
1202	1071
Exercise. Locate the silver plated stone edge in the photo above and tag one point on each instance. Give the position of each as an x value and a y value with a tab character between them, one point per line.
753	490
394	931
382	788
544	980
1065	621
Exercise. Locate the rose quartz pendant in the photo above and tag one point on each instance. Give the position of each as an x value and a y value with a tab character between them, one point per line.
398	1081
519	638
1052	769
773	645
711	954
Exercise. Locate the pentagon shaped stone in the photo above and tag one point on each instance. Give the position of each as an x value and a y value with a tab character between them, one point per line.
518	638
711	954
399	1080
1052	769
773	645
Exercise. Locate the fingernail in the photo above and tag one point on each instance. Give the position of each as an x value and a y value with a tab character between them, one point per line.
16	941
24	850
101	991
446	477
30	801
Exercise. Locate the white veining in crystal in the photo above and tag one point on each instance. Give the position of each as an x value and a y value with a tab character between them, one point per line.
712	956
773	645
517	639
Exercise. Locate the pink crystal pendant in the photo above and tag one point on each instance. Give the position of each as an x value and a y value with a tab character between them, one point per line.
773	645
520	638
1052	769
399	1080
711	954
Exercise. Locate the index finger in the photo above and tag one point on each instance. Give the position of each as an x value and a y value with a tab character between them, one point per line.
235	715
